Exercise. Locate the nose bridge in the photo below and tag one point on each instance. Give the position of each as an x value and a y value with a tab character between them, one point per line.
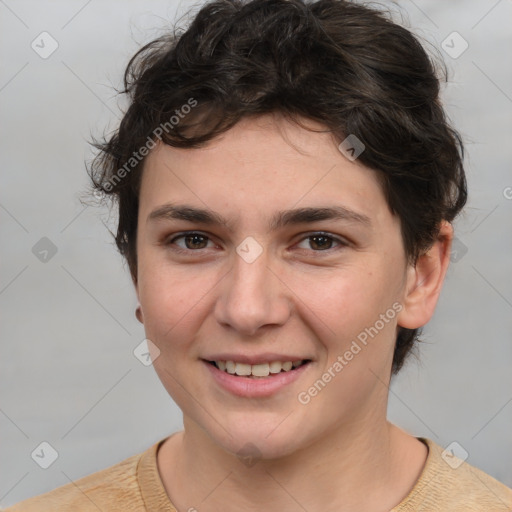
251	296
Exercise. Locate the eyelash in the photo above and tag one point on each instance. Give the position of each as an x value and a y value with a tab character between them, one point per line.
340	241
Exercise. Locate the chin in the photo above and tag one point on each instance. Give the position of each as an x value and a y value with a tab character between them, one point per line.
252	441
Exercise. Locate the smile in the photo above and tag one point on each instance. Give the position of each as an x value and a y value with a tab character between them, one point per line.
256	380
257	370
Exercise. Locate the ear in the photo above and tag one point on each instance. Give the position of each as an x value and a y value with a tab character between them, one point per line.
425	280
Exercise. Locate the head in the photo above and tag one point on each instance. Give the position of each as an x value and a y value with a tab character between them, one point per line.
239	119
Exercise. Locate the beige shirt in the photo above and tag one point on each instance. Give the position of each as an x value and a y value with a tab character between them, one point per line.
134	485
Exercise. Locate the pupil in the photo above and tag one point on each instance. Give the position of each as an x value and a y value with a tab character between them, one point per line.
321	237
194	239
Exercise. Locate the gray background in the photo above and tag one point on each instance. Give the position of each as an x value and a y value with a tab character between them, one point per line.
68	373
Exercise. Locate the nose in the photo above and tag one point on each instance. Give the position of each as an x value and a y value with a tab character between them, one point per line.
252	297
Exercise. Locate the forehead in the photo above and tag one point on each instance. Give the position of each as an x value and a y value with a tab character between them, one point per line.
259	168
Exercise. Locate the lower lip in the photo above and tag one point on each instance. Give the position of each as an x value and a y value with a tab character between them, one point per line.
248	387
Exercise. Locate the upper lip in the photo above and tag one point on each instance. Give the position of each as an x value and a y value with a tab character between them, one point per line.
267	357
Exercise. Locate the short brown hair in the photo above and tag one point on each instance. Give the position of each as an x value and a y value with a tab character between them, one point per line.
347	66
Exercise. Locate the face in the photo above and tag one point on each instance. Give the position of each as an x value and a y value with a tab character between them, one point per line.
241	258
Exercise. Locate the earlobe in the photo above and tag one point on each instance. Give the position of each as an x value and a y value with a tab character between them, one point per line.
138	309
138	314
425	280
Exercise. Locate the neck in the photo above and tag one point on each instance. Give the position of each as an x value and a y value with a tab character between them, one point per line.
347	469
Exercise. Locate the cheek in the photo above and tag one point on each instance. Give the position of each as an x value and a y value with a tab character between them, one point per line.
171	306
174	303
353	318
164	302
357	343
345	300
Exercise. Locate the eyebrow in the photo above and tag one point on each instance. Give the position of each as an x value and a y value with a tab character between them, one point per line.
279	220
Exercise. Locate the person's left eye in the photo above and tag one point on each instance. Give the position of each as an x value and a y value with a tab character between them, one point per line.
194	242
323	241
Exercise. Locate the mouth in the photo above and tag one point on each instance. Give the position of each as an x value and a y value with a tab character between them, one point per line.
258	371
261	380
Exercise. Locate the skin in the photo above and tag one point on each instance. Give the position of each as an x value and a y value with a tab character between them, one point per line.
300	297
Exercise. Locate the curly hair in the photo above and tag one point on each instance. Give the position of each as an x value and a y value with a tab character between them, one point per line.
345	65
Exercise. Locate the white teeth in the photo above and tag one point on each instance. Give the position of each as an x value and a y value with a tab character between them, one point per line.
275	366
243	369
260	370
257	370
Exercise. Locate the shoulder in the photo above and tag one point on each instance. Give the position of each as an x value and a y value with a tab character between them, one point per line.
449	483
113	489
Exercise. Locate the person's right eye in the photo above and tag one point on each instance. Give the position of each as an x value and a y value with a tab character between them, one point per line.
192	241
